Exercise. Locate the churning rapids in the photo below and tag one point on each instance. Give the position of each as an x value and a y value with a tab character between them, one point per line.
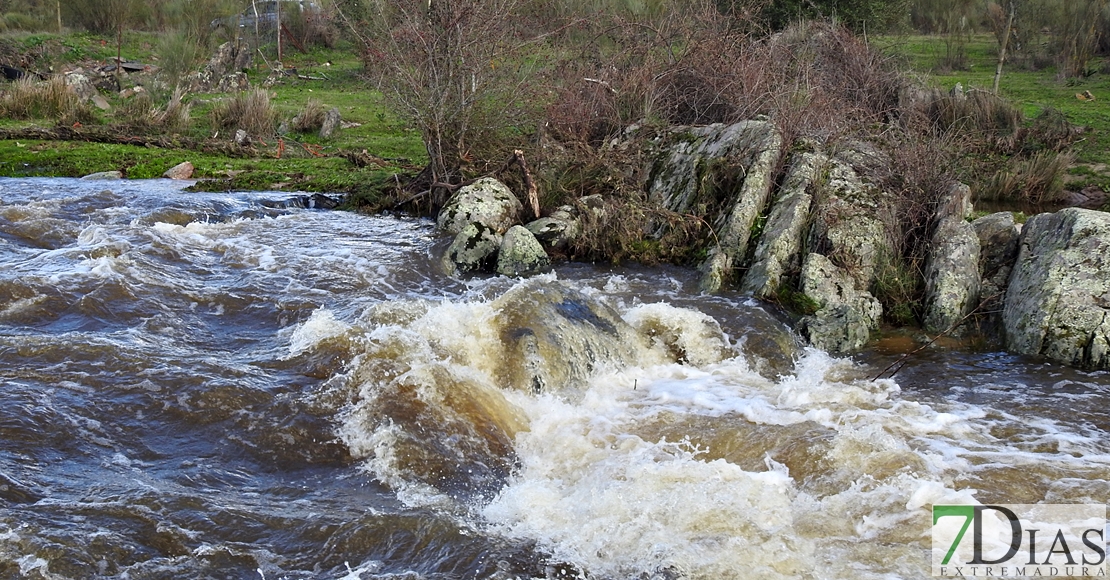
221	386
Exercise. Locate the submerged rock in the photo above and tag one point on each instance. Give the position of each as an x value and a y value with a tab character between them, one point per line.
486	201
1058	300
555	337
104	175
520	254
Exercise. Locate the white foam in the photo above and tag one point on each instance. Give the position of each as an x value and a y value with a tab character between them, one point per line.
320	326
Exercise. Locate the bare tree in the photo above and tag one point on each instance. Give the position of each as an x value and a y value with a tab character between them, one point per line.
452	68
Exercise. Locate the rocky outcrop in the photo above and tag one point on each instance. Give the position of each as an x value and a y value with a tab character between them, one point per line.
998	248
487	202
331	124
1058	300
520	254
557	230
473	249
224	71
846	315
780	248
848	223
740	158
952	277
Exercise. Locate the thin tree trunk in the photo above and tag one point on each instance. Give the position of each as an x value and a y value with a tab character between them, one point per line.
1002	51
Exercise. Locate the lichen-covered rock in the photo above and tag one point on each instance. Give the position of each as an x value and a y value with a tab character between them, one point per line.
521	254
845	316
81	84
951	274
474	249
224	71
743	154
557	230
779	250
1058	300
486	201
998	248
850	221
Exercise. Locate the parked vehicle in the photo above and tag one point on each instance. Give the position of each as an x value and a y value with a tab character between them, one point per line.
267	13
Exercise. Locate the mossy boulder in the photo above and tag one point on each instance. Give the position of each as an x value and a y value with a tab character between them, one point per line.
846	315
487	202
521	254
952	278
473	249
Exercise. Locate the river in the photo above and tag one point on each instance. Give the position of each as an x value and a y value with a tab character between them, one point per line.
226	386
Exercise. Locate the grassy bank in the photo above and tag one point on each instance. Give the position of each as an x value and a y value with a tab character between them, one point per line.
302	161
1034	90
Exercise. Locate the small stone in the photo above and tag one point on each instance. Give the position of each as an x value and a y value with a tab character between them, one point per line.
331	123
183	170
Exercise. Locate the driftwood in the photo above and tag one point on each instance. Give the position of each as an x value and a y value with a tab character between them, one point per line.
517	159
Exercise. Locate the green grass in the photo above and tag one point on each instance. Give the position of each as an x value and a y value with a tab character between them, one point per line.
336	81
1033	91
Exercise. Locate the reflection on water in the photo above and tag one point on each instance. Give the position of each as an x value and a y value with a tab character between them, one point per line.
219	386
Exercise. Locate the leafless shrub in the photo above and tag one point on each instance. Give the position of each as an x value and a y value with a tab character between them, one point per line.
455	70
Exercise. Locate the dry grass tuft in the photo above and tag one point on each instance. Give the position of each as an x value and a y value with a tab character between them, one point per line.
51	99
250	111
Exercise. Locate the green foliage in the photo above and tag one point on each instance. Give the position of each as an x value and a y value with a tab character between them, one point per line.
899	287
105	15
795	300
179	53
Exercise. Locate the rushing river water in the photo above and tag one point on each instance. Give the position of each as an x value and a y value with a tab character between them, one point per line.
221	386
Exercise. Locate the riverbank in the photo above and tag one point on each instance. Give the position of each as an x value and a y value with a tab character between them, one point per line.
370	146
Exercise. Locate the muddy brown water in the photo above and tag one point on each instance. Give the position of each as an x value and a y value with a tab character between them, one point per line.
219	386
